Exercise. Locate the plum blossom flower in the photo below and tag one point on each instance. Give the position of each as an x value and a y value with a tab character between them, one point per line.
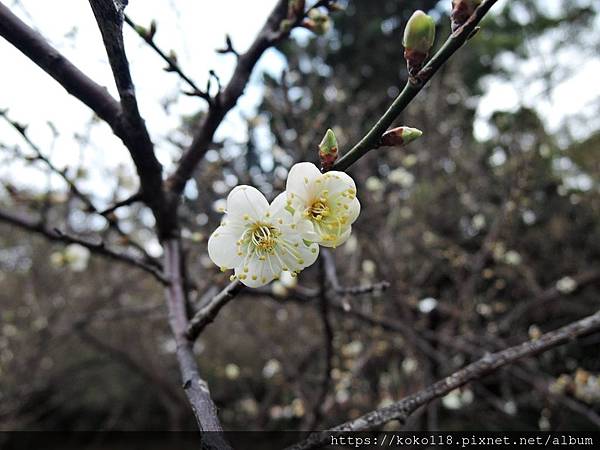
260	241
328	200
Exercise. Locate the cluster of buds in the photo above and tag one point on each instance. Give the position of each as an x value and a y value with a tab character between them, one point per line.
328	151
400	136
419	35
582	385
462	10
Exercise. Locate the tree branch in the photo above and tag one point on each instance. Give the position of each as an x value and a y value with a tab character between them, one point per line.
208	313
402	409
226	100
109	16
97	248
195	387
96	97
372	139
172	64
35	47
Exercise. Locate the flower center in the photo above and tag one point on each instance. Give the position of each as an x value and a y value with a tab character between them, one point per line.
264	237
319	209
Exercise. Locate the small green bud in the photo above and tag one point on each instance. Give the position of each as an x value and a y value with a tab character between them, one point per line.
141	30
328	150
400	136
419	33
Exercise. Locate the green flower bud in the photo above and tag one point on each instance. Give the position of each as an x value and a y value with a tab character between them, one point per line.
328	150
400	136
419	33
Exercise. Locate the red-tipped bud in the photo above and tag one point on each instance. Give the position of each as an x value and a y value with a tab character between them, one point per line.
400	136
461	11
328	150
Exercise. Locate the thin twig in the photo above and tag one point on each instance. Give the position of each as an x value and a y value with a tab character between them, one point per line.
120	204
172	64
371	140
402	409
97	248
268	36
208	313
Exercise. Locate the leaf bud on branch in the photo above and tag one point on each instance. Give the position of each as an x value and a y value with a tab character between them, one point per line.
400	136
328	150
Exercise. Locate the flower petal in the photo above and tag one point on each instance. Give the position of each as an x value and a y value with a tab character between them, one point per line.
353	210
301	180
222	246
246	202
258	273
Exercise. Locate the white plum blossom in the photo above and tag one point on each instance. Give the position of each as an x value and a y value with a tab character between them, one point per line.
260	241
328	200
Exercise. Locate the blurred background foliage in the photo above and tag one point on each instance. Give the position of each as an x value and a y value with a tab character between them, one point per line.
485	242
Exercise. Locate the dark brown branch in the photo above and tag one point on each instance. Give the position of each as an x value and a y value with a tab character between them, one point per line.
402	409
35	47
97	248
120	204
109	16
195	387
96	97
267	37
208	313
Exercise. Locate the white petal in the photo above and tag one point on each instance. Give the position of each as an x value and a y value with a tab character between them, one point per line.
222	246
301	180
336	182
278	206
353	211
258	273
246	201
339	240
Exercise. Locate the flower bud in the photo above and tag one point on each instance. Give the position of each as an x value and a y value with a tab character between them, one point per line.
461	11
317	22
419	35
397	137
328	150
